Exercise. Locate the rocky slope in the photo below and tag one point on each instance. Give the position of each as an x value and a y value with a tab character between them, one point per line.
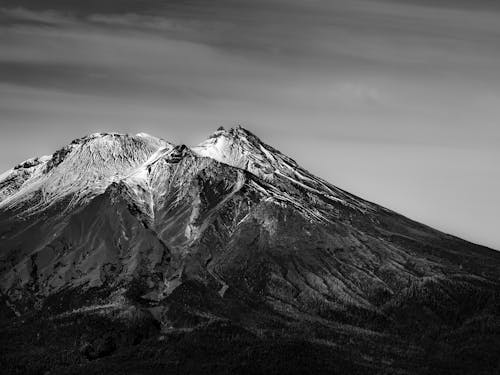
234	231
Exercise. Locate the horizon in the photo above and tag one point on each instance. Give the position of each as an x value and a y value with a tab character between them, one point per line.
395	102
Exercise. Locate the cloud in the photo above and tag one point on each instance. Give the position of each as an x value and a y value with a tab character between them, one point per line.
350	60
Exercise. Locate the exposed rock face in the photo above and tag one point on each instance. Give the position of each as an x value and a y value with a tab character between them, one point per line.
230	229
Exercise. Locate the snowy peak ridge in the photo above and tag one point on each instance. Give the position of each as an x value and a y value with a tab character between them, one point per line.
33	162
240	148
82	169
89	165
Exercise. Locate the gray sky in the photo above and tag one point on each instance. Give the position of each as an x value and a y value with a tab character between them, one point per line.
396	101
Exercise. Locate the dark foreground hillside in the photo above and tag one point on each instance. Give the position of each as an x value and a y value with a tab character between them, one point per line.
416	338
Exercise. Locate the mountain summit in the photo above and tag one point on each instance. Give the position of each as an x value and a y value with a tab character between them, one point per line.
136	229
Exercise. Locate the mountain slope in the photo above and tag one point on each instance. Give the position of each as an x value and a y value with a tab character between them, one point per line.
232	230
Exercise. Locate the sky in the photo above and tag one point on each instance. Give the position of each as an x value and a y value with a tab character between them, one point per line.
397	101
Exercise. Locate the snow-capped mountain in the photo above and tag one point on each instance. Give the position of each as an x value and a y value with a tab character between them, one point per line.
81	170
230	229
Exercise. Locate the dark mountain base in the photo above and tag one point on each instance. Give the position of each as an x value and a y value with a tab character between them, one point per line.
463	339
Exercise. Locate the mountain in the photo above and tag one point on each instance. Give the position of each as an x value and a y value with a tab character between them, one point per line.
129	253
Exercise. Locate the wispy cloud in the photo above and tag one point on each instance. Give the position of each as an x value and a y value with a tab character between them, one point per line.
327	56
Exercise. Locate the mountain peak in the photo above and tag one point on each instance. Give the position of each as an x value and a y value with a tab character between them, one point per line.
240	148
81	169
235	133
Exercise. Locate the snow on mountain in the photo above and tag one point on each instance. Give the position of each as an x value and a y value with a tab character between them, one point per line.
87	166
144	164
241	149
80	170
12	180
